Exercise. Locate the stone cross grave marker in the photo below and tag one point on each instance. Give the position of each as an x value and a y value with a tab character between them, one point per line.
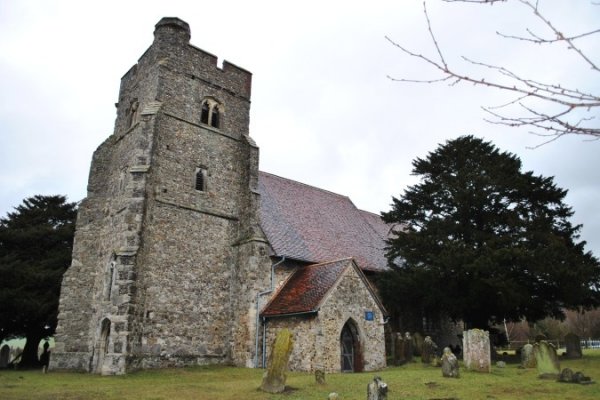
274	378
477	351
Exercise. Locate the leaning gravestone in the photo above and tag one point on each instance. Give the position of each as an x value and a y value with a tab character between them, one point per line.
573	345
527	357
548	365
377	389
476	350
428	351
449	364
274	378
399	356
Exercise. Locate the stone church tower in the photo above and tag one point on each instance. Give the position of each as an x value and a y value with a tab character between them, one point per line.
168	256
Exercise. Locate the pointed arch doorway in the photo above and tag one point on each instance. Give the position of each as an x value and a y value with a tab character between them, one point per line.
102	345
350	349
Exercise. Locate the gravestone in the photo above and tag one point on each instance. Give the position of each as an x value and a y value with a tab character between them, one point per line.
428	351
408	347
418	343
320	376
4	356
573	345
377	389
568	376
399	356
333	396
477	351
527	357
274	378
449	364
548	365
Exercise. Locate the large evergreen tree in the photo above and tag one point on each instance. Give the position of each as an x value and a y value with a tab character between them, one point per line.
482	241
36	241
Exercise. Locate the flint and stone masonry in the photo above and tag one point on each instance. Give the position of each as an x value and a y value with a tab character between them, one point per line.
169	259
162	266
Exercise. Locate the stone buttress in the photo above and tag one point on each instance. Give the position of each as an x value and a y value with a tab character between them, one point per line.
168	255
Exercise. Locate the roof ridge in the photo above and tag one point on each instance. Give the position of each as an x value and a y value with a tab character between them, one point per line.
310	186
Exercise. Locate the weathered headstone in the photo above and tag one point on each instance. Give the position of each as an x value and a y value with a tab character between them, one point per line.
449	364
377	389
274	378
428	351
320	376
527	357
408	347
476	350
4	356
417	343
333	396
399	349
573	345
568	376
501	364
548	365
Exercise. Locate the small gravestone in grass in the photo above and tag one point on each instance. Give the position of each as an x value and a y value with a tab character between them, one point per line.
428	351
377	389
399	349
477	350
449	364
418	340
409	347
573	345
320	377
274	378
527	357
548	365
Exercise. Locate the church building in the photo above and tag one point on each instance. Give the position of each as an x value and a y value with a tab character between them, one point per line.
185	254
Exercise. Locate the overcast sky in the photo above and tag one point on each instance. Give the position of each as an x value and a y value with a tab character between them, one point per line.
323	110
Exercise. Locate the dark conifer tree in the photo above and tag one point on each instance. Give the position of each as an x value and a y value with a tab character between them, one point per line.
36	241
482	241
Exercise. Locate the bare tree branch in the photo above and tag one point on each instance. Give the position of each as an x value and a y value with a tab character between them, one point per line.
576	108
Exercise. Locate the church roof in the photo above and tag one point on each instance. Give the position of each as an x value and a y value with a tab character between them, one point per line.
305	289
309	224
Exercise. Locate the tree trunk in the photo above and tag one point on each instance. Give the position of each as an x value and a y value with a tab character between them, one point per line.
30	359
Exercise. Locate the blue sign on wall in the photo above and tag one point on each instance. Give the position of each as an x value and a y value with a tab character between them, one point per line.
369	315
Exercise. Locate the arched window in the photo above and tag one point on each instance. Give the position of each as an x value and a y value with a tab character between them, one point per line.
205	113
214	121
211	113
200	183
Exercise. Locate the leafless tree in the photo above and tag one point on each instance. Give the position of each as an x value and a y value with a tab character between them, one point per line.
550	110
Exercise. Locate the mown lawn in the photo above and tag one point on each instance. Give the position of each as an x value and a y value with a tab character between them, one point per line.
413	381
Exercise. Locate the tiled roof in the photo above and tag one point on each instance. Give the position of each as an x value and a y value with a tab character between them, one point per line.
305	289
306	223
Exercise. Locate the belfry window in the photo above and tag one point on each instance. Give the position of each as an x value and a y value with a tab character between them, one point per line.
200	183
211	113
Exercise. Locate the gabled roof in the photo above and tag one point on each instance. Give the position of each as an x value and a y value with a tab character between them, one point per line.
304	291
309	224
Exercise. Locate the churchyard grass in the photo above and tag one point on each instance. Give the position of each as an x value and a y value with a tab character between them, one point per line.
413	381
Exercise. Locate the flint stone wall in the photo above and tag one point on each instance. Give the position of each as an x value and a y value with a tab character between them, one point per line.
317	337
169	266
